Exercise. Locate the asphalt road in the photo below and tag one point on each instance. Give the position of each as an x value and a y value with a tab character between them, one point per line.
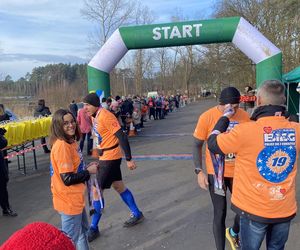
178	214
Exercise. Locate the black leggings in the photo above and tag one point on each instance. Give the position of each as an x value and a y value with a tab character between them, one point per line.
3	194
220	210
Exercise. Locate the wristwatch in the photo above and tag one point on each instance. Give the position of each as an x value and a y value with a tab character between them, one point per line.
197	170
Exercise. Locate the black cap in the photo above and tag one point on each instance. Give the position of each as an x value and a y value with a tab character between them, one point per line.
229	95
92	99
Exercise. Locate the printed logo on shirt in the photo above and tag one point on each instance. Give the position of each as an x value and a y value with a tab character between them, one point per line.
276	161
114	124
277	192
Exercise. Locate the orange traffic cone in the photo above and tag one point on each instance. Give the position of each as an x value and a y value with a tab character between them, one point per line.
131	130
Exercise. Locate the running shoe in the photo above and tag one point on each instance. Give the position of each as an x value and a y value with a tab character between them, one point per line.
93	234
234	241
9	212
133	220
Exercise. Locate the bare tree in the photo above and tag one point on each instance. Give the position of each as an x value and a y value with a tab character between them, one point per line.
109	15
164	64
142	61
278	20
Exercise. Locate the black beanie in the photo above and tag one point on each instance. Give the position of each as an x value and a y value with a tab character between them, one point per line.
92	99
229	95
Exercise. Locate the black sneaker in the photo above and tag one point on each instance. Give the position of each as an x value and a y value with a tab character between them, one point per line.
93	234
132	221
10	213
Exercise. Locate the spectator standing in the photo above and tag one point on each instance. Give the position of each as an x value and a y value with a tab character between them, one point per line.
68	176
104	103
85	124
137	113
108	102
264	188
158	106
166	104
42	111
73	108
126	112
249	105
177	101
151	106
6	209
4	117
143	112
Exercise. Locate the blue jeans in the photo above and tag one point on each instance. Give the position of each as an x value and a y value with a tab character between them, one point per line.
253	233
76	227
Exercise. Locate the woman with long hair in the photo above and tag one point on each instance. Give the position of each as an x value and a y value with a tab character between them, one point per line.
68	176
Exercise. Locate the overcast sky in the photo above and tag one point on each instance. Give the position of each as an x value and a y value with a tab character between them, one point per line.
38	32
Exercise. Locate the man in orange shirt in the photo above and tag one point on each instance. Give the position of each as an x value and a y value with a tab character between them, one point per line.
265	168
204	127
110	141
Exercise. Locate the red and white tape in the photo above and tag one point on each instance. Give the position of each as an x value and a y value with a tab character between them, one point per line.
21	152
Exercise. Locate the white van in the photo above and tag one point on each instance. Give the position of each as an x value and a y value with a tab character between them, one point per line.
152	94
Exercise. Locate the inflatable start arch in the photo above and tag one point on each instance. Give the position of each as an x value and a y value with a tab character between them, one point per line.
266	56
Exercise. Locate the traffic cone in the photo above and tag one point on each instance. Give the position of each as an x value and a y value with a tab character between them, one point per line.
131	130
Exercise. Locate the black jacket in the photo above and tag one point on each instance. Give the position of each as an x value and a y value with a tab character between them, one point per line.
127	108
73	108
3	165
4	117
41	111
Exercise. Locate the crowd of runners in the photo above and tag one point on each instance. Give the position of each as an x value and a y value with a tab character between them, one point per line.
136	110
252	154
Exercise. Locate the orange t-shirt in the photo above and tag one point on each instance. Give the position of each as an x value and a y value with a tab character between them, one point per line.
107	125
66	158
265	166
205	125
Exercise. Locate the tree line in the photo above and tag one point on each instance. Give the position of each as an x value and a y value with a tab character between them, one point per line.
169	70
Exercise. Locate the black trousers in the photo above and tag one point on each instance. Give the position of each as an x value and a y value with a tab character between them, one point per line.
3	194
151	113
158	113
220	211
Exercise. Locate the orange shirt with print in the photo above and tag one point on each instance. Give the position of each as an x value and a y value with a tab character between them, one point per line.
64	159
264	175
107	125
205	125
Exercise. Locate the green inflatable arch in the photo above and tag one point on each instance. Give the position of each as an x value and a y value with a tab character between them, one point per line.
266	56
